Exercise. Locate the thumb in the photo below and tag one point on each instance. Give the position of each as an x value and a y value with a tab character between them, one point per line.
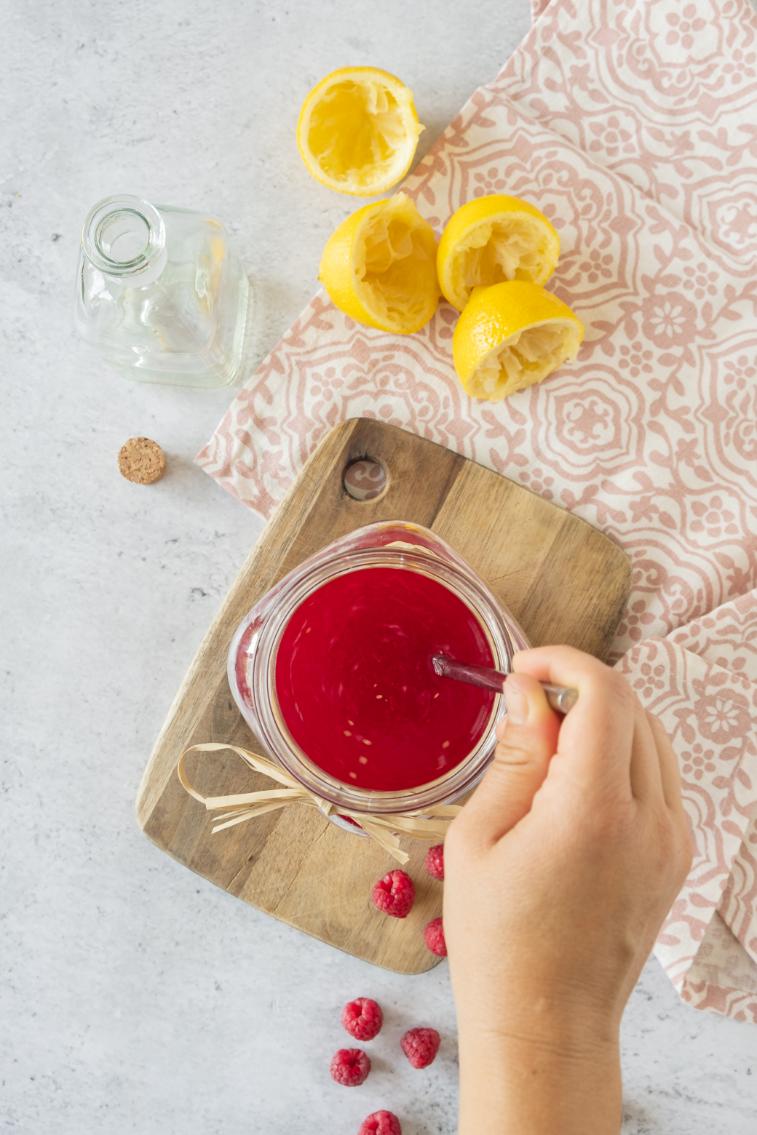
527	742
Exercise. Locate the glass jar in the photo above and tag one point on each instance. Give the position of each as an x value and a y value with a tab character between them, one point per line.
252	658
161	293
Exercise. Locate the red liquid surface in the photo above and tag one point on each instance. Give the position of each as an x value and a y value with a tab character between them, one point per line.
356	687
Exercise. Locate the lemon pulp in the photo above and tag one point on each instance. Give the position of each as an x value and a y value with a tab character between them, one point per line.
379	266
358	130
526	358
510	336
494	239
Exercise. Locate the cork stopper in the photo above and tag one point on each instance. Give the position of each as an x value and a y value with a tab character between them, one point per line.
141	460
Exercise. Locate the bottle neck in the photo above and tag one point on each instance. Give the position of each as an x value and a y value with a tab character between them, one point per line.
125	238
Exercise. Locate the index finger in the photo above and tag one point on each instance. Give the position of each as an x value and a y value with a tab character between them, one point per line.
596	736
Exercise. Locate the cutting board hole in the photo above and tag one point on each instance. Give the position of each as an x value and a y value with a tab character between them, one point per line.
365	479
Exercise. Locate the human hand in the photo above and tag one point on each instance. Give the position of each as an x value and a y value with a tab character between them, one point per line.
561	867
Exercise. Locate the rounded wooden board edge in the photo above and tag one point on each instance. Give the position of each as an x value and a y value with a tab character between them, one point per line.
427	482
424	962
146	788
428	963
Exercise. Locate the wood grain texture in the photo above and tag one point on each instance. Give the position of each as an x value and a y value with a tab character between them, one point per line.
563	580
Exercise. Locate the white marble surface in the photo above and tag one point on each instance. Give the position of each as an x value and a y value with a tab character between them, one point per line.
135	997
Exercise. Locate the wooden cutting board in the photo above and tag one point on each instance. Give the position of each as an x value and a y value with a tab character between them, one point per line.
563	580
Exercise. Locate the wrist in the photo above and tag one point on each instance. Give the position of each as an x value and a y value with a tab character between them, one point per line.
514	1083
567	1019
553	1047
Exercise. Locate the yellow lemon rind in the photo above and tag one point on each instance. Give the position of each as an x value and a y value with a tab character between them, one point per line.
339	273
488	210
406	103
496	318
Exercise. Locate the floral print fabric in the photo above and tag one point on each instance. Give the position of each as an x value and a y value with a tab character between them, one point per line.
629	124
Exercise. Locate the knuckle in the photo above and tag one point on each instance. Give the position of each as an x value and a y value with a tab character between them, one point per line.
686	847
513	752
454	836
457	839
665	838
672	848
617	823
610	822
656	725
662	738
575	665
619	689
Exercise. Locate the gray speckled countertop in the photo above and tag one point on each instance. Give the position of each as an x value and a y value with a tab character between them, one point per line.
135	997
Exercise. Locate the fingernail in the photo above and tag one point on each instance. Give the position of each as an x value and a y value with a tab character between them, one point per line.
516	702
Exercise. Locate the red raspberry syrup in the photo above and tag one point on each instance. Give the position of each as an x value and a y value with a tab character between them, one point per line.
356	687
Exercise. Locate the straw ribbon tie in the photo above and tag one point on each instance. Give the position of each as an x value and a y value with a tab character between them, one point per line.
236	809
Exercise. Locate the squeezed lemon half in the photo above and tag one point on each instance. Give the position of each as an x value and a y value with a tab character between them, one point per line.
358	131
379	266
510	336
493	239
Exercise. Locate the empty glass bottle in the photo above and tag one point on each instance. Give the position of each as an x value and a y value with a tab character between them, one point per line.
161	293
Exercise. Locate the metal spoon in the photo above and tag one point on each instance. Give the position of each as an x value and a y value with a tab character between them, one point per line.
561	698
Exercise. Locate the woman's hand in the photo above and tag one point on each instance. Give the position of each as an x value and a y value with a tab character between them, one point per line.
559	872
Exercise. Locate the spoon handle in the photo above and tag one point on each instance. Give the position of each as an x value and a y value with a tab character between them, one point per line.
561	698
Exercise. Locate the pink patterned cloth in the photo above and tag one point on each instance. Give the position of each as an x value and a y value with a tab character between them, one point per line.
629	124
699	680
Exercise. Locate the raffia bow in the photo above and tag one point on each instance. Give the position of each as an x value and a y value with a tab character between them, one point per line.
385	830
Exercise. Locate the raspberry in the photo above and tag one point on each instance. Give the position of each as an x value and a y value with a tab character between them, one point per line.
350	1067
434	861
434	937
394	894
381	1123
420	1046
362	1018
